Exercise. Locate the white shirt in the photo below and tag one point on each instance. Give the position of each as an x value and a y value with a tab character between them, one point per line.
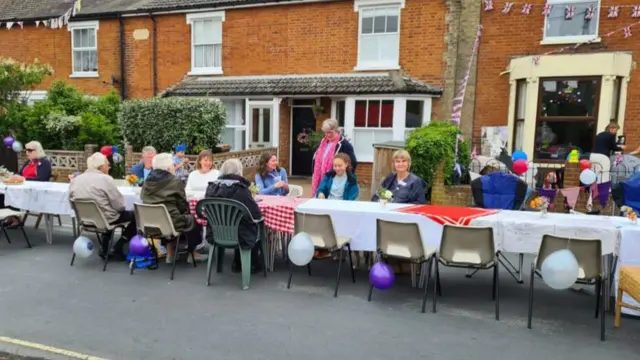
199	181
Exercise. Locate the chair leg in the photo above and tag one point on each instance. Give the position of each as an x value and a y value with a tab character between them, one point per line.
290	274
108	239
618	313
175	257
59	220
426	284
26	238
132	265
353	272
245	261
598	286
219	259
73	258
436	286
6	235
38	220
309	268
265	257
531	279
340	258
602	317
496	289
212	252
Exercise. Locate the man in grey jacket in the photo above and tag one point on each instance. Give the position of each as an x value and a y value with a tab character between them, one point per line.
96	184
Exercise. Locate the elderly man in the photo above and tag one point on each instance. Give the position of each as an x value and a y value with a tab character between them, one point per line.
144	167
96	184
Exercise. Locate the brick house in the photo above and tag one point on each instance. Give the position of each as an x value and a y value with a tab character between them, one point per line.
380	67
554	101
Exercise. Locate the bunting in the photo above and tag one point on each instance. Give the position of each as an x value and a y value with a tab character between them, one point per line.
599	191
53	23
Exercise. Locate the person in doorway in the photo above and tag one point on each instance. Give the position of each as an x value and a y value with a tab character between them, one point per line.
406	187
339	183
332	143
270	178
144	167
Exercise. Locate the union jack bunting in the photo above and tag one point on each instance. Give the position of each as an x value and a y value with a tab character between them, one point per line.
507	7
589	13
526	9
635	11
627	32
569	12
546	10
488	5
613	12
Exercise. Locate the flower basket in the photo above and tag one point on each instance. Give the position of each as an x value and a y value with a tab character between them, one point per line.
541	204
385	196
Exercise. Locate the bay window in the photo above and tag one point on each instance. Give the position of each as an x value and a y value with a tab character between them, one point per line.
373	122
521	103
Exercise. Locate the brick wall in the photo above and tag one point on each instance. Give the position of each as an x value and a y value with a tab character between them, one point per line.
515	34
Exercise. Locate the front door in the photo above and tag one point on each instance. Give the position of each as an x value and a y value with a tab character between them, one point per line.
302	121
260	127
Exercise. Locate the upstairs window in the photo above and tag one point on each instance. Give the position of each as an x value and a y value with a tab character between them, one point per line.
379	34
206	43
84	48
571	21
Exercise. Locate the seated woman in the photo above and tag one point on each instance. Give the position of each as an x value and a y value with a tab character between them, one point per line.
339	183
231	185
270	178
205	173
36	168
163	187
406	187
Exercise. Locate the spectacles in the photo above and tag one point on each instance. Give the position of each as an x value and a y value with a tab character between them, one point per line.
30	150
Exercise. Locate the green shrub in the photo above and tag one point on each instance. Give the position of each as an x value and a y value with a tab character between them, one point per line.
433	144
166	122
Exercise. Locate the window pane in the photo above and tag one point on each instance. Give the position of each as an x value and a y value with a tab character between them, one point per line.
208	32
373	114
379	24
386	114
392	24
255	125
198	32
303	102
361	113
235	112
217	55
413	116
340	112
388	47
85	61
615	99
77	38
198	56
568	97
555	139
367	24
363	142
521	96
208	55
266	125
558	25
368	48
518	137
234	137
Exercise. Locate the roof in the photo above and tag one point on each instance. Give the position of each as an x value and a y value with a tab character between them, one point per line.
317	84
19	10
190	4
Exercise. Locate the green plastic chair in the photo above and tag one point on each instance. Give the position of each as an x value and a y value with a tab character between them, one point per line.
223	219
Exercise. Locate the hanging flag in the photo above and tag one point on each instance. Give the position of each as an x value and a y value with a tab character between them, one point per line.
488	5
571	195
474	154
603	193
569	11
546	10
20	23
589	13
548	193
37	23
589	203
507	7
594	190
613	12
9	25
635	11
627	32
526	9
536	60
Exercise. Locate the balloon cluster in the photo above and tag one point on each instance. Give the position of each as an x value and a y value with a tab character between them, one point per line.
112	150
12	143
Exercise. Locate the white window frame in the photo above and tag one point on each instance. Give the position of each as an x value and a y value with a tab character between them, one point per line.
571	39
80	25
238	112
191	19
375	4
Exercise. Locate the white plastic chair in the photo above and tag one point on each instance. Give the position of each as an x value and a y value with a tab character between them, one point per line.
295	191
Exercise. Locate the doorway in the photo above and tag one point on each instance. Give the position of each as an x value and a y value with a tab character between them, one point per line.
302	121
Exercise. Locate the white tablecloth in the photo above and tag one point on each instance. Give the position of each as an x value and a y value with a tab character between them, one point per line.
629	255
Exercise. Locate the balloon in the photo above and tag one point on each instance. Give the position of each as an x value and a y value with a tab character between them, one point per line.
107	150
560	270
588	177
139	245
83	247
381	276
301	249
8	141
117	158
115	149
585	164
519	155
17	146
520	167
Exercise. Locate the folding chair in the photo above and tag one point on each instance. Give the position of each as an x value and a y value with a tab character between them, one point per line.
7	213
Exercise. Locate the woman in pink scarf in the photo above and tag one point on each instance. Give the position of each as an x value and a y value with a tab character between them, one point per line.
332	143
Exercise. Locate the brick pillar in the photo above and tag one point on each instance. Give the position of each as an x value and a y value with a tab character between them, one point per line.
438	190
129	158
89	149
571	175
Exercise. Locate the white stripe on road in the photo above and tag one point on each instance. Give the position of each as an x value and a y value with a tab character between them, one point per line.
49	349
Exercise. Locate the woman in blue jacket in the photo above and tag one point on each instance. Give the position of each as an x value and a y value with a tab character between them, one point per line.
339	183
270	178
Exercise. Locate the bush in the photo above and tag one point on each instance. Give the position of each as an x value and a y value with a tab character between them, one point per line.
166	122
433	144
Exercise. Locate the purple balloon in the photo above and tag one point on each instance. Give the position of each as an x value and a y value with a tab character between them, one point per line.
381	276
138	246
8	141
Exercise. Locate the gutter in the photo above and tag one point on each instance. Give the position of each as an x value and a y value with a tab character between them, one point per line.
154	56
123	77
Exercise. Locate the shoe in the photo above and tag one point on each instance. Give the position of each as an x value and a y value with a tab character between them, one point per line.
12	223
199	258
322	254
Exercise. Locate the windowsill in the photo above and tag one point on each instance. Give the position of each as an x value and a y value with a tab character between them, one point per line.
364	159
373	67
207	71
81	75
560	40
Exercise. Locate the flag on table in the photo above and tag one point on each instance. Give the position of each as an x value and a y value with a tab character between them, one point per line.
448	215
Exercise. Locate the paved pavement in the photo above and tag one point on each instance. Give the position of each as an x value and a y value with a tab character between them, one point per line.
114	315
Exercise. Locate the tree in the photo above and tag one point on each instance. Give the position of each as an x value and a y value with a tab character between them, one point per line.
16	77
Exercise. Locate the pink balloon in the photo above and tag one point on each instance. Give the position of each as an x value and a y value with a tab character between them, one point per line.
520	167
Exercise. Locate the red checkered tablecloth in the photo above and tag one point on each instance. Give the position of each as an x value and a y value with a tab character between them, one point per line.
276	210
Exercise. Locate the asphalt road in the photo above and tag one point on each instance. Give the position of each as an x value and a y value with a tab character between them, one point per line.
114	315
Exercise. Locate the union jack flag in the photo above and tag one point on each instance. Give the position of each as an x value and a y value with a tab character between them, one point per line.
613	12
507	7
635	11
536	60
526	9
589	13
546	10
569	12
627	32
488	5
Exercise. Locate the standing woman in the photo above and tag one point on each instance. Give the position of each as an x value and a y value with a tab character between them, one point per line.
332	143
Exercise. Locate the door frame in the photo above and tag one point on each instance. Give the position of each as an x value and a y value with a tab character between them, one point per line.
274	105
291	136
261	108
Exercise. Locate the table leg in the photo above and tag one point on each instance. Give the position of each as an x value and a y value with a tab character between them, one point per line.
75	227
48	220
520	264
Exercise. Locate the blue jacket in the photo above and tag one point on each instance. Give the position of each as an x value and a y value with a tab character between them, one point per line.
138	170
351	188
499	191
344	146
412	191
43	170
266	185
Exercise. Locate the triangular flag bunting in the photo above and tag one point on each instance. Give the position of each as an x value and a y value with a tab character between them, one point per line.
603	193
9	25
20	23
37	23
571	194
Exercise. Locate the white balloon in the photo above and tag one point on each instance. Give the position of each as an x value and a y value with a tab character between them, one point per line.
560	270
588	177
17	146
301	249
117	158
83	247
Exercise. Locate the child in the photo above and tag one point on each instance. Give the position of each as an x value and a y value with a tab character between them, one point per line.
180	162
339	183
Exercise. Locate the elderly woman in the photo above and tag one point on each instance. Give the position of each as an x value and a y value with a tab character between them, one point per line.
332	143
270	178
163	187
407	188
145	166
231	185
205	173
36	168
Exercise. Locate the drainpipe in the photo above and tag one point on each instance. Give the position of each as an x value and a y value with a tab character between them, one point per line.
123	82
154	59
